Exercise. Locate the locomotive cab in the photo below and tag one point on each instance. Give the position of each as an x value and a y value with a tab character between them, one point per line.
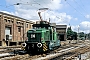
37	37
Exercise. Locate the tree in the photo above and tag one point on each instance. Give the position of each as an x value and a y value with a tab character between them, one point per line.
71	34
81	34
75	35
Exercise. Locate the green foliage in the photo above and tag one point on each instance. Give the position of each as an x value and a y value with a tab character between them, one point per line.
71	34
81	34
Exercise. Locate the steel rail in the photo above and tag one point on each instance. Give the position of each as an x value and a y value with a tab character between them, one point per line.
78	52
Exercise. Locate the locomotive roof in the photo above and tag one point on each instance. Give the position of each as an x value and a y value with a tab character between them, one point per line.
41	25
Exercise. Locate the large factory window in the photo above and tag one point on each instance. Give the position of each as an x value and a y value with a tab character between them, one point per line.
22	23
5	20
17	22
9	21
12	21
27	25
19	29
10	30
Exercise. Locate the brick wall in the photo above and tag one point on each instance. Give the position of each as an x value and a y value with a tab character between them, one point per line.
14	23
2	28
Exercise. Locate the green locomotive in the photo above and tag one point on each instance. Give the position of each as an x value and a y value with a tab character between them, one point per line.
43	37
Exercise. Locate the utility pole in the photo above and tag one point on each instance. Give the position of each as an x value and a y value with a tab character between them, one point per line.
78	32
88	32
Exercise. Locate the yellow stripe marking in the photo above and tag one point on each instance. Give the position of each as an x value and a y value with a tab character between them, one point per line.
45	47
43	50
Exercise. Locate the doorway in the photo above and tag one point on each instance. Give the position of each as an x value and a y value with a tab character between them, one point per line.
61	37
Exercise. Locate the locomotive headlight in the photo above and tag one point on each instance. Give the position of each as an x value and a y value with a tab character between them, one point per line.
39	45
23	44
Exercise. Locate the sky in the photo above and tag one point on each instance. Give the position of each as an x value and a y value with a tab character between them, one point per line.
74	13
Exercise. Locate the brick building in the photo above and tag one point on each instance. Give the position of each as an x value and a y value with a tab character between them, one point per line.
61	30
14	27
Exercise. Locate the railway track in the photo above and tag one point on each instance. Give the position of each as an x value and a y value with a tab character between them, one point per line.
8	49
67	51
77	53
5	47
67	54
